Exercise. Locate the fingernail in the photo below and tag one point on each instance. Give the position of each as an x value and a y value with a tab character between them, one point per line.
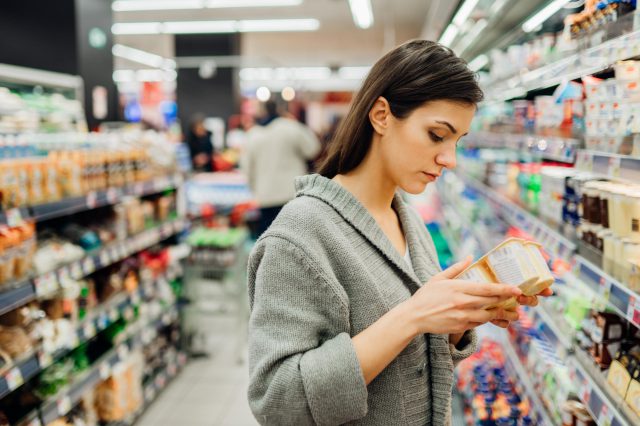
517	291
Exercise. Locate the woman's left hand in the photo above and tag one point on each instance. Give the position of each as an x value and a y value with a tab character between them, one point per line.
525	301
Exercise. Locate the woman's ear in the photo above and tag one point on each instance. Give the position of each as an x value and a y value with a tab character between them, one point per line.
380	115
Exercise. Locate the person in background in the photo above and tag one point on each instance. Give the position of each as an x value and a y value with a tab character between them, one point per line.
200	146
276	152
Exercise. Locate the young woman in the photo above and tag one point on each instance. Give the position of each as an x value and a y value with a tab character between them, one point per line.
352	320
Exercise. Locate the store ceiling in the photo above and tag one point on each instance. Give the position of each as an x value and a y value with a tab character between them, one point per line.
338	42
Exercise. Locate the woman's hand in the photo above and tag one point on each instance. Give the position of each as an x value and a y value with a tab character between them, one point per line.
525	301
445	305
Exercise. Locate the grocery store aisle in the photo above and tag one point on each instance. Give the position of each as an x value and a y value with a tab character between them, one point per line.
210	391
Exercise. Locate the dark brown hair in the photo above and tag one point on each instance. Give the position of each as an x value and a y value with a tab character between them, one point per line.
410	75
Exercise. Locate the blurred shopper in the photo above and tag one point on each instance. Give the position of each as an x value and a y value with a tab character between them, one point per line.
275	153
352	320
200	145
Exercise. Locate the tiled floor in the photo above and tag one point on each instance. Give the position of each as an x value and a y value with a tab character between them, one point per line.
209	391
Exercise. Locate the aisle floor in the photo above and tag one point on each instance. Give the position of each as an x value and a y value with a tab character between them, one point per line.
209	391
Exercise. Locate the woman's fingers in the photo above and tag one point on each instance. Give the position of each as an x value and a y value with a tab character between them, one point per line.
501	323
528	300
453	270
546	292
502	291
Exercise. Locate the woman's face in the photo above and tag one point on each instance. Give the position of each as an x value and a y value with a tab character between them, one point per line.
416	150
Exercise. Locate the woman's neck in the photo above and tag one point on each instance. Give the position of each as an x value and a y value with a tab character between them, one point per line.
370	184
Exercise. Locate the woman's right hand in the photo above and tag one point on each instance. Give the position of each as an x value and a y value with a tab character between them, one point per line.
445	305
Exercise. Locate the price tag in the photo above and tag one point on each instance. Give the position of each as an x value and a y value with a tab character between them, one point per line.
114	314
88	265
113	195
606	416
44	359
105	259
14	217
123	352
604	292
89	330
585	392
105	370
76	270
614	167
14	378
92	200
149	393
64	405
633	310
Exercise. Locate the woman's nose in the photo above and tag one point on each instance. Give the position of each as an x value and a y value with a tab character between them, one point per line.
447	158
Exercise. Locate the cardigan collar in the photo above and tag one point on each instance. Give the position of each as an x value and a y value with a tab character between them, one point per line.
348	206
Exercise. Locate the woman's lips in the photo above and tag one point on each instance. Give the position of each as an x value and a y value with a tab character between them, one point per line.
431	176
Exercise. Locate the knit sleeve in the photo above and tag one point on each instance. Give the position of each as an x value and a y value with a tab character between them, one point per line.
466	347
303	366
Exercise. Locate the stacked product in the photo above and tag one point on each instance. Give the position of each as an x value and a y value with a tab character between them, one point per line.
597	14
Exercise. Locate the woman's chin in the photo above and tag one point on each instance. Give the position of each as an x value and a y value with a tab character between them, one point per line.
414	188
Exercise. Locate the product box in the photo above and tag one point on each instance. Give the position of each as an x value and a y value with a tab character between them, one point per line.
516	262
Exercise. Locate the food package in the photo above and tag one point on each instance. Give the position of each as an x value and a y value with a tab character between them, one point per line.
516	262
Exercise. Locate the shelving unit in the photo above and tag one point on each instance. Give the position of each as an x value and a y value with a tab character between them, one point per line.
551	239
577	65
550	147
612	166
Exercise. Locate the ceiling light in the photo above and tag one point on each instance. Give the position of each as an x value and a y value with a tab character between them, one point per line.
214	4
146	5
263	94
142	57
448	35
478	62
288	94
264	25
138	5
137	28
362	13
283	74
471	36
127	76
497	7
199	27
464	12
539	18
213	27
353	73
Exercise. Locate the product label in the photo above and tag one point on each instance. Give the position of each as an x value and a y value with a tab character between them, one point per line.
633	310
585	392
14	217
505	265
14	378
606	416
474	274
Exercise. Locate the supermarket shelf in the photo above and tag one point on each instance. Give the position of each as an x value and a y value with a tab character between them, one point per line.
553	242
16	295
66	399
595	393
612	166
552	331
549	147
112	253
610	291
95	199
120	306
514	365
590	61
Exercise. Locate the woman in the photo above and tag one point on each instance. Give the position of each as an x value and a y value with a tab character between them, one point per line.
200	146
352	321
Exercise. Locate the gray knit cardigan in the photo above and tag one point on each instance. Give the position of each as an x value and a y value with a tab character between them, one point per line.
321	274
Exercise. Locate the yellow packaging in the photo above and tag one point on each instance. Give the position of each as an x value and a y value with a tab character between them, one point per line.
52	190
22	188
9	184
619	378
516	262
633	396
36	181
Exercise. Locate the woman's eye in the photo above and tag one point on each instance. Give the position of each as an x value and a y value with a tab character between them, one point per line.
435	137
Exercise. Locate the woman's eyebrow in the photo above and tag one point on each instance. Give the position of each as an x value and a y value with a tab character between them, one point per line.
446	123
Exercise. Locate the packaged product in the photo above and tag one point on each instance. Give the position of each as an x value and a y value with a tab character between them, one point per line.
516	262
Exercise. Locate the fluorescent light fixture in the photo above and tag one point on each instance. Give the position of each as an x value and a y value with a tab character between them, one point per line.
137	28
139	5
497	7
448	35
142	57
478	62
212	27
539	18
263	94
199	27
464	12
471	36
353	73
362	13
127	76
267	25
215	4
288	94
283	74
146	5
